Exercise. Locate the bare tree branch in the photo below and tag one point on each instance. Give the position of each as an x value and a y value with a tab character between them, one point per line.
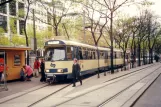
3	3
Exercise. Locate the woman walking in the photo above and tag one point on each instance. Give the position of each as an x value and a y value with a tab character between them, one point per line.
76	72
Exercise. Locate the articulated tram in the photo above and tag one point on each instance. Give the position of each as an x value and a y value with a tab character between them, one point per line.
59	55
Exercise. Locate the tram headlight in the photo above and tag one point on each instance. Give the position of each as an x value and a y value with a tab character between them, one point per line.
47	70
59	70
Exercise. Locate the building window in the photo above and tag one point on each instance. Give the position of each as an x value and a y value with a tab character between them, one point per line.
21	24
21	10
12	7
3	7
13	25
3	22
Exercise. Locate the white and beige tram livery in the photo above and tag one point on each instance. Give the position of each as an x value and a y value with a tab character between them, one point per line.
59	55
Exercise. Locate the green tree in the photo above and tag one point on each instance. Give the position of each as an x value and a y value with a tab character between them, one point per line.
3	39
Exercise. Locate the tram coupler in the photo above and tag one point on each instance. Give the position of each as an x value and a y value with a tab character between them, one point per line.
51	79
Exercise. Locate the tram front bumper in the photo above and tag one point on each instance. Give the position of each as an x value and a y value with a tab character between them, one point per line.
50	77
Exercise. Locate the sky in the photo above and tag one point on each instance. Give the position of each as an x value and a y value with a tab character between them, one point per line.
133	10
156	7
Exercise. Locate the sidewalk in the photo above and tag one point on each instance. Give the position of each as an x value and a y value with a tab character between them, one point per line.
18	86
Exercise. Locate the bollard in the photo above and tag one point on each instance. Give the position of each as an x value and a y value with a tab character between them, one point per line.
117	69
104	72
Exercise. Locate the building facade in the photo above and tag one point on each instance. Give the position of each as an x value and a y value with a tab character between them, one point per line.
12	16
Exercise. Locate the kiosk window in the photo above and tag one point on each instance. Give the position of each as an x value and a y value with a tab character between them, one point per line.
17	60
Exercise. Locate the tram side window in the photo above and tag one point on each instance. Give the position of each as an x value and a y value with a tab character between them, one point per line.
103	55
89	54
109	55
80	53
106	55
93	55
115	55
118	54
84	53
121	54
69	53
74	52
100	55
96	54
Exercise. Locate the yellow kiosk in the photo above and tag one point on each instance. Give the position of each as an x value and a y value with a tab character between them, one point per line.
14	59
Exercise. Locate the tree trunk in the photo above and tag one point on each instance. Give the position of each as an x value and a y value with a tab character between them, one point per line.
56	31
124	60
151	51
27	44
134	52
111	37
98	56
149	57
139	54
143	54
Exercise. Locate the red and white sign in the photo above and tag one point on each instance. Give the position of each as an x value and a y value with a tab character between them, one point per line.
1	64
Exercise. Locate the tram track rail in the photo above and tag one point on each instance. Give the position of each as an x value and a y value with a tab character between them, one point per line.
48	95
135	101
122	78
120	92
135	72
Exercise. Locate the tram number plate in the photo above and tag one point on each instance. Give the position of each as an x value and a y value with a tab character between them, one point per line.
49	74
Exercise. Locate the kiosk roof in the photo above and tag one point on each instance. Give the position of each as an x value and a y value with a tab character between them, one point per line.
14	48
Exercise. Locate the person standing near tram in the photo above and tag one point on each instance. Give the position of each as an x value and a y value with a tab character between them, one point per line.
1	72
76	72
36	68
42	66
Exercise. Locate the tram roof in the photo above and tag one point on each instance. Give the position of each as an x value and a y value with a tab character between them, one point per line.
74	43
14	48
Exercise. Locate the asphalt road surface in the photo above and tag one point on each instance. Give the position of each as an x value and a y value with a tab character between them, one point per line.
152	97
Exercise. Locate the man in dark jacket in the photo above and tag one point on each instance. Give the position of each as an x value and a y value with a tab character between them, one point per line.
76	72
42	66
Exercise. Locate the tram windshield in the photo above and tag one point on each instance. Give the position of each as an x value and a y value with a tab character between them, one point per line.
54	54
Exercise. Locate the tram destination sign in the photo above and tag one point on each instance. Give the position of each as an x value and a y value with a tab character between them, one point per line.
52	42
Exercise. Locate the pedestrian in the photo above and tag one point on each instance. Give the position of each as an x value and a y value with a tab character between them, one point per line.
29	72
76	72
1	72
22	75
36	68
42	67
